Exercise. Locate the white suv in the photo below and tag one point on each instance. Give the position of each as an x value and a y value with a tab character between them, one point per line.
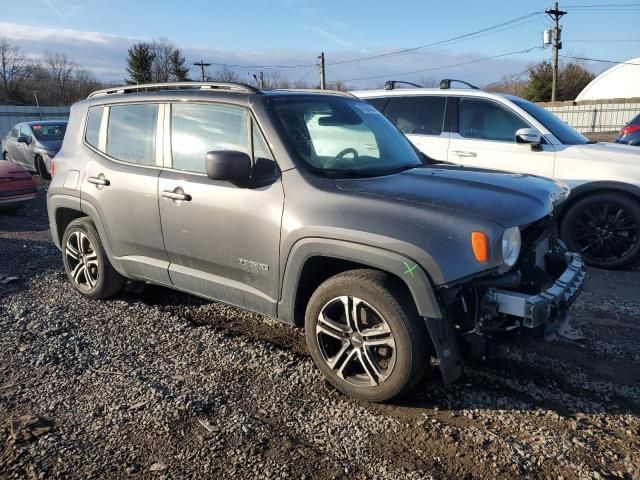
504	132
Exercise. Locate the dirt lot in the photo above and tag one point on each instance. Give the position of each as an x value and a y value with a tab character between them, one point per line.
159	384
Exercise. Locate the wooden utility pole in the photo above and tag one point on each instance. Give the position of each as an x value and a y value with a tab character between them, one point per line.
323	85
555	14
202	66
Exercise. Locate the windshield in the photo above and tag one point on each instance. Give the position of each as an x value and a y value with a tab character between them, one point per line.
560	129
49	131
340	135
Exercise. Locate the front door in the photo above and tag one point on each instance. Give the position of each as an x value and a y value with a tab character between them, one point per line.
485	138
222	240
121	184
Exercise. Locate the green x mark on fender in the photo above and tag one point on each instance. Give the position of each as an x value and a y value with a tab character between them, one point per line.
409	269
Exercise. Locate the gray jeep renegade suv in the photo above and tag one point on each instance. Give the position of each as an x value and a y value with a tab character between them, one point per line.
312	208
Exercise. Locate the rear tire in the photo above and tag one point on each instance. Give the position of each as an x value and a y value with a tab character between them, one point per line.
365	335
86	263
5	156
41	168
605	229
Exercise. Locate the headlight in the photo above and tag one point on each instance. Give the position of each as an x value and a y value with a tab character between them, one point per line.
511	244
561	195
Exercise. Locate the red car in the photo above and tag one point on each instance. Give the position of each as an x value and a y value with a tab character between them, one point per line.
16	184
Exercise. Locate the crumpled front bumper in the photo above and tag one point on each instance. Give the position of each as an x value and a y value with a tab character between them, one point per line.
548	305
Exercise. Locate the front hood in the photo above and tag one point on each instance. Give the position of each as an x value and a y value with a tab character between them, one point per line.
508	199
50	145
608	152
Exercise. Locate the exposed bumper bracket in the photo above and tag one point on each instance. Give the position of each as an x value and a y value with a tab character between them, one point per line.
547	306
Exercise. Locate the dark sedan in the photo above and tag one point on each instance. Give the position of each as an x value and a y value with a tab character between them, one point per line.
630	133
34	144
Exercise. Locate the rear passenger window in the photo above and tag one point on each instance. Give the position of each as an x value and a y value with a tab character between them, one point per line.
417	115
200	128
378	103
94	119
131	133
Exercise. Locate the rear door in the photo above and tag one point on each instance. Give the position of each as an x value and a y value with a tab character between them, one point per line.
483	135
223	240
120	184
421	119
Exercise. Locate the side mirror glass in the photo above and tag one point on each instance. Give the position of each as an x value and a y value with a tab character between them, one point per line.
229	165
23	139
528	136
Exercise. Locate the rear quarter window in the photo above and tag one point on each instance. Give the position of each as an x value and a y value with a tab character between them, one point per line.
94	120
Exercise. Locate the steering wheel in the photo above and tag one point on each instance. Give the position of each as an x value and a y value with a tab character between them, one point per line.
347	151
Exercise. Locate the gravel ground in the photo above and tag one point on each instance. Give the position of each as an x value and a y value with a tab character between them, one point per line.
157	384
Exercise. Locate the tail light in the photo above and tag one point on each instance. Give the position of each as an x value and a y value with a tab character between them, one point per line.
629	129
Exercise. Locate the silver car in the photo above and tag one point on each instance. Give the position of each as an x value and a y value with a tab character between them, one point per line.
34	144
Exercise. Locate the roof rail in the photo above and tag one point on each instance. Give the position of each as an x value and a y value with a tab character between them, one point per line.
446	84
314	90
391	84
232	87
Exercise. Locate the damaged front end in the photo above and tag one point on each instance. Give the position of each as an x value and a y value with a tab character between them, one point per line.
534	295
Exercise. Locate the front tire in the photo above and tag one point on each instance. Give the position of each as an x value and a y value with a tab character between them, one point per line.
86	263
605	229
365	335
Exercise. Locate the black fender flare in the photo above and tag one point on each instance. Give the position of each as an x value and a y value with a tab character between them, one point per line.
596	187
440	328
402	267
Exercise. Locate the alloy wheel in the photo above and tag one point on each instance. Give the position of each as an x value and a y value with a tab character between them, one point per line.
605	232
82	260
356	341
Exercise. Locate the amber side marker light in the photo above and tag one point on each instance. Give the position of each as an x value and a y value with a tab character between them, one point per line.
479	243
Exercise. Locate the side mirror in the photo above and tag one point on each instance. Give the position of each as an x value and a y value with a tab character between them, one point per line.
528	136
23	139
229	165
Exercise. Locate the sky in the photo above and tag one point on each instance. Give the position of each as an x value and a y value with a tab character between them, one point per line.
291	33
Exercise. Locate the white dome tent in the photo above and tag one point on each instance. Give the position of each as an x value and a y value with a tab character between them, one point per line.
621	81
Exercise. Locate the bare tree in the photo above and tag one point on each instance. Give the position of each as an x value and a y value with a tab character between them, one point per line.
223	74
162	50
60	72
14	68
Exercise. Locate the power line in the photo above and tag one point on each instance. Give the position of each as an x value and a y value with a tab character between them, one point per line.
438	43
443	66
494	28
586	59
202	64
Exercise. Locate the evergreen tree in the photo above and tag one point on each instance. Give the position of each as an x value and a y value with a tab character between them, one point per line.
540	80
140	63
179	71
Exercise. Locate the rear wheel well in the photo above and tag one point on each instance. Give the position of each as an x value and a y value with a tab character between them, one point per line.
573	199
64	216
318	269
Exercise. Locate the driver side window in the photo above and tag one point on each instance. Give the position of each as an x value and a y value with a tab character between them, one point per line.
487	120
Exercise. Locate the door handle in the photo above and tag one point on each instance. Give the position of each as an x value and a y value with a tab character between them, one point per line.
175	195
461	153
99	181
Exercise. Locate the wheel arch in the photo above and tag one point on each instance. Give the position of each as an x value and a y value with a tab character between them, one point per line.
313	260
593	188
